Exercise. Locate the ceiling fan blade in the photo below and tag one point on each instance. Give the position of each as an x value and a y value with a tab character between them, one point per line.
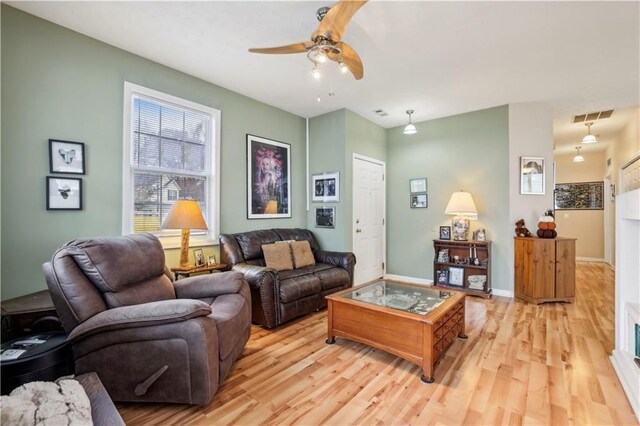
290	48
334	24
351	60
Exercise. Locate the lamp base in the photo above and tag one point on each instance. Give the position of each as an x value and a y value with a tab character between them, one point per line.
184	248
460	228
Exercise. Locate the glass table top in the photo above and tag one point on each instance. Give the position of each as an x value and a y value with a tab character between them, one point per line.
419	300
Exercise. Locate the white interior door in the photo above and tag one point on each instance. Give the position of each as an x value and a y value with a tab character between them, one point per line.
368	218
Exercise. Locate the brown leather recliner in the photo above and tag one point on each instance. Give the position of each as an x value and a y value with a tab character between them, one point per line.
148	339
278	297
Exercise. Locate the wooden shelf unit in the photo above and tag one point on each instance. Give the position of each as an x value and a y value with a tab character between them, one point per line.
461	249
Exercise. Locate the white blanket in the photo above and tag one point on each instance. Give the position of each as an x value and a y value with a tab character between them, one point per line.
63	402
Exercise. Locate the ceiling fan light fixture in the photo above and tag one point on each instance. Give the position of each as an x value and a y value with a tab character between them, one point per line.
589	138
578	158
410	129
315	72
321	57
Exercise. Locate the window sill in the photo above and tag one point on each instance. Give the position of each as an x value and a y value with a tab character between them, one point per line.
169	243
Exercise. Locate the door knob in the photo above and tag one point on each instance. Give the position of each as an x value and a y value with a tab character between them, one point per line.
358	230
357	220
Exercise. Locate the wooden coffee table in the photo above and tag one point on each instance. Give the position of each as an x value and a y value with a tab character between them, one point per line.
417	323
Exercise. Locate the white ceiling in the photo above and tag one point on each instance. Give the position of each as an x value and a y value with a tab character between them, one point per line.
438	58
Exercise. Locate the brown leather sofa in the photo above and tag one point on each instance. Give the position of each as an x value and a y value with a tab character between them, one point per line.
147	338
278	297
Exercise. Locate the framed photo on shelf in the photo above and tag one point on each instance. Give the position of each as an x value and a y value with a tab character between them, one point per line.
326	187
443	256
212	260
64	193
532	175
268	183
419	201
442	276
66	157
325	217
445	232
418	185
199	256
456	276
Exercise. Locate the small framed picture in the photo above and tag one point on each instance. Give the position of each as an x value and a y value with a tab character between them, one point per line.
418	185
419	201
66	157
212	260
443	256
64	193
456	275
325	217
532	175
326	187
442	276
199	256
445	232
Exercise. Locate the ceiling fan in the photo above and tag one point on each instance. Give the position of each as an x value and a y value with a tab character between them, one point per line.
326	40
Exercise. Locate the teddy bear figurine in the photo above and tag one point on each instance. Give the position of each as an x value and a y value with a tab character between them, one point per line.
521	231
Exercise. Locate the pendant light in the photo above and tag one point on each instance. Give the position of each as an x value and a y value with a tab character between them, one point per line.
410	129
578	158
589	138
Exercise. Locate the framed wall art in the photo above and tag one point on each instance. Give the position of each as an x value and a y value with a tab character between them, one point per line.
418	185
456	275
326	187
418	201
268	178
64	193
66	157
325	217
579	196
532	175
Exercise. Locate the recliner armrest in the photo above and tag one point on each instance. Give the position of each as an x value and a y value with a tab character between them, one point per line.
344	260
145	314
210	285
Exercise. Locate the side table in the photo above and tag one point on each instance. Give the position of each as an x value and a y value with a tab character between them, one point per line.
186	271
26	314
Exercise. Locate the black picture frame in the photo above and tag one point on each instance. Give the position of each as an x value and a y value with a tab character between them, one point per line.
442	276
445	233
268	178
418	201
325	217
63	193
67	157
456	276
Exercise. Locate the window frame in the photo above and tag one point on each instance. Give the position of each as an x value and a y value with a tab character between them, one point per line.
212	160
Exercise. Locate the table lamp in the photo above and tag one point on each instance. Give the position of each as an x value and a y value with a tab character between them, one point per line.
462	206
185	215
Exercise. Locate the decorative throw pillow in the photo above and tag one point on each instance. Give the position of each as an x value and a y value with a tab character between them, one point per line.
278	256
302	254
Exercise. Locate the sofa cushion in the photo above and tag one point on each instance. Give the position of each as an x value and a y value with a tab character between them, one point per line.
298	234
278	256
332	278
302	255
298	287
304	271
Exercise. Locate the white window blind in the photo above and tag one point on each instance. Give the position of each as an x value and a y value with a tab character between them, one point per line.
170	157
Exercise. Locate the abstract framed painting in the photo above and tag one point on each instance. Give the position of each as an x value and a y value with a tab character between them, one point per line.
268	178
532	175
66	157
64	193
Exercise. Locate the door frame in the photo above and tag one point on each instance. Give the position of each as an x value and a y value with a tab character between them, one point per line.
360	157
608	240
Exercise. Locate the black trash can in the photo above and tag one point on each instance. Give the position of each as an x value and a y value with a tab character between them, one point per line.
37	357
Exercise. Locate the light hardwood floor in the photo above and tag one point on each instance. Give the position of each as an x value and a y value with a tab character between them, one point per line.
522	363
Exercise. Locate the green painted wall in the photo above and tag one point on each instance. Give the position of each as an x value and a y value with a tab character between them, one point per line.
467	151
60	84
333	139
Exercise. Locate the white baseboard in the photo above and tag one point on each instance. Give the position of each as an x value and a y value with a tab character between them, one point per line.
628	376
406	279
502	293
590	259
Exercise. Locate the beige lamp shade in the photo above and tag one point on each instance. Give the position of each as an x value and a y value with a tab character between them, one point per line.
461	204
185	214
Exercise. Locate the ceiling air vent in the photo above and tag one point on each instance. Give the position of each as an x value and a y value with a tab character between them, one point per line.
592	116
381	112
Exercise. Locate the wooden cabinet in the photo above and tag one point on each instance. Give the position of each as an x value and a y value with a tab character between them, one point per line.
462	255
545	269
